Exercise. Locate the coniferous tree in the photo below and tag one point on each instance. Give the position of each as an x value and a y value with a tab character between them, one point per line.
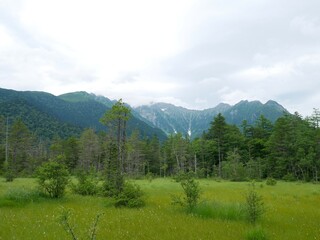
289	146
20	140
153	155
116	121
135	162
71	152
89	151
217	132
2	142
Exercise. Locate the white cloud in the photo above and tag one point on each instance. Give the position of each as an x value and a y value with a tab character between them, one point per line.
6	39
306	25
260	73
191	53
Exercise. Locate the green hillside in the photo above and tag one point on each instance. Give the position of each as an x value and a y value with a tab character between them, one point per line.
48	115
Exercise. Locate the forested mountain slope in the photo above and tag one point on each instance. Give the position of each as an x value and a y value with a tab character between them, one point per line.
48	115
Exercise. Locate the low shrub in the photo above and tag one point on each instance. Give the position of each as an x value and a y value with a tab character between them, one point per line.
181	176
254	205
86	185
149	176
289	177
256	234
53	178
131	196
191	192
271	181
113	185
201	173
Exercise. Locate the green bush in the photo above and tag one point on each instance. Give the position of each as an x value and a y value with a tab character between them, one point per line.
289	177
181	176
131	196
113	185
233	171
254	205
53	178
191	192
202	173
256	234
271	181
86	185
149	176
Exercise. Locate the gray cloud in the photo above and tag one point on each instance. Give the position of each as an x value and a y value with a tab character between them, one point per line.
230	51
32	62
254	49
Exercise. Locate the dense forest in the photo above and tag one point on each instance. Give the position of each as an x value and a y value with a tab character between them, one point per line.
289	149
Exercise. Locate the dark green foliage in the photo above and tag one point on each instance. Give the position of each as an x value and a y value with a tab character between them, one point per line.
233	168
225	137
271	181
135	164
53	178
123	193
114	180
8	172
42	123
87	184
48	115
289	177
131	196
254	205
20	139
152	155
113	185
182	176
89	151
175	155
71	151
291	147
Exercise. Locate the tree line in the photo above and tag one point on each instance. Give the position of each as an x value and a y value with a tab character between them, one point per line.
288	149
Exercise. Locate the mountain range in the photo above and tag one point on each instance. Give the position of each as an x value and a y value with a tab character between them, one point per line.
172	119
68	114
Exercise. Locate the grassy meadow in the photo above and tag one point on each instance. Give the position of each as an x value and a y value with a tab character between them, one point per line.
292	212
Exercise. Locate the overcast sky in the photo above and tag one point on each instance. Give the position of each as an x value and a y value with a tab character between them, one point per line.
192	53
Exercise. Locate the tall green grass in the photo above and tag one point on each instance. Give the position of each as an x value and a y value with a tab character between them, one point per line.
220	210
292	213
20	197
256	234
